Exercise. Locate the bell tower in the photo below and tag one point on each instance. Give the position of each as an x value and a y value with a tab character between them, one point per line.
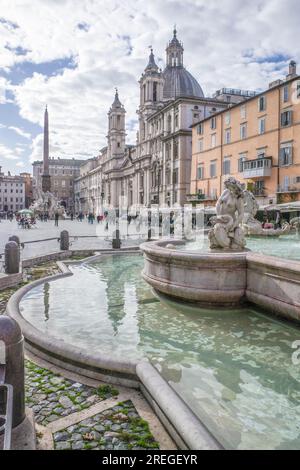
116	128
151	92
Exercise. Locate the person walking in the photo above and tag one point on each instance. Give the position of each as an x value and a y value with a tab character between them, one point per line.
56	217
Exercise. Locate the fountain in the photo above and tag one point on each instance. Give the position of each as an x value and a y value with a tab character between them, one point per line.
228	274
47	203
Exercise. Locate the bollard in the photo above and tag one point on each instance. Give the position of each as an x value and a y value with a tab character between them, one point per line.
12	339
64	240
16	239
116	241
12	258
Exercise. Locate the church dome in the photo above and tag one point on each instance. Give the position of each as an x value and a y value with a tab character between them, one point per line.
179	82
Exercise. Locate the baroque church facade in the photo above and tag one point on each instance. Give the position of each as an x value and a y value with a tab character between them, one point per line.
157	170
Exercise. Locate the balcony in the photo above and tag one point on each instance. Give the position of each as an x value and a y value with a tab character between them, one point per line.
201	197
288	189
258	168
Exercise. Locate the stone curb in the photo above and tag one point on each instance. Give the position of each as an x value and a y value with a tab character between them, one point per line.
191	431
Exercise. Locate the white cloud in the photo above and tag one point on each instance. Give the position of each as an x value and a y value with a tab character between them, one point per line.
222	42
21	132
7	153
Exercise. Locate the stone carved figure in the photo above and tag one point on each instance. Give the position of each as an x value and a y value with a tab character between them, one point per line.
295	222
226	233
252	226
47	203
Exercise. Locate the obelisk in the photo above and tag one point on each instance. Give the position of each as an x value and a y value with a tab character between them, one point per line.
46	183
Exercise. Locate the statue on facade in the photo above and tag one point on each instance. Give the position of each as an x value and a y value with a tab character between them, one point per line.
226	233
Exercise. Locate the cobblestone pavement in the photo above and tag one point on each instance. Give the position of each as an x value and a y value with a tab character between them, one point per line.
53	397
118	428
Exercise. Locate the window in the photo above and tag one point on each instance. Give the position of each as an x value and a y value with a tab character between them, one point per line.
261	153
226	166
213	169
169	123
175	176
298	89
285	93
227	119
242	158
200	145
213	123
200	172
243	131
243	111
213	140
200	128
262	126
286	155
227	136
154	91
262	103
176	120
175	149
286	118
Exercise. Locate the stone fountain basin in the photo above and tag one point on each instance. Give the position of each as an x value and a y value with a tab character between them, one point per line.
211	279
223	279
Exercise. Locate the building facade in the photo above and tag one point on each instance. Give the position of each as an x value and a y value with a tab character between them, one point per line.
12	193
157	169
62	172
27	177
256	141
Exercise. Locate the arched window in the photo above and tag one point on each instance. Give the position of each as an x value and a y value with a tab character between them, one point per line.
169	124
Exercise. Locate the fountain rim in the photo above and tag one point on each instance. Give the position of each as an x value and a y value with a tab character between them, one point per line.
183	425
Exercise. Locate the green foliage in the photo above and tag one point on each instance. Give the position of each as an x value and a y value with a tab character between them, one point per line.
105	390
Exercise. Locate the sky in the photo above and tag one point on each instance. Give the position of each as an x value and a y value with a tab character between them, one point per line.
71	54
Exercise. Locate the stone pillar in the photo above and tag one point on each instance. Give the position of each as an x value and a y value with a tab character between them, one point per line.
14	238
12	258
12	365
64	240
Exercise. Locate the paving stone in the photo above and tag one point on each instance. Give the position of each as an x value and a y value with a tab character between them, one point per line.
64	445
99	428
61	436
115	427
96	435
65	402
76	437
78	445
52	418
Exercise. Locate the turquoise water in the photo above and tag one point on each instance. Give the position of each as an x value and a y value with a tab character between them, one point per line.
287	246
233	368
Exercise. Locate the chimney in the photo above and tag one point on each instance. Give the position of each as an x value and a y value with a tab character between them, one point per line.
292	70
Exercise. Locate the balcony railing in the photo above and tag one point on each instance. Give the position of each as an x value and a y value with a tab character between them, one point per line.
260	167
201	197
288	189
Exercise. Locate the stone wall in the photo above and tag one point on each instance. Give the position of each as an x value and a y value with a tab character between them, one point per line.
10	280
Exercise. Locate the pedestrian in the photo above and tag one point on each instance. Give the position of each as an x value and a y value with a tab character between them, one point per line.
56	217
72	216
